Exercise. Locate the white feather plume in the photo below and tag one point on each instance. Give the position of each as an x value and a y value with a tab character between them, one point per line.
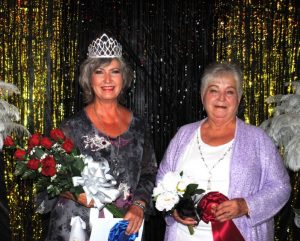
297	217
292	153
274	99
8	111
284	126
9	114
284	129
9	88
296	87
266	124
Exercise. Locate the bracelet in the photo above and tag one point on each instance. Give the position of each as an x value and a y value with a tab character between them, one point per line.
138	204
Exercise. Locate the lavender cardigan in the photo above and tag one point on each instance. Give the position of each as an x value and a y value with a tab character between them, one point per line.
257	174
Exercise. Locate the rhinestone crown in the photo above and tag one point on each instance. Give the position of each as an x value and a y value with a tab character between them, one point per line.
105	47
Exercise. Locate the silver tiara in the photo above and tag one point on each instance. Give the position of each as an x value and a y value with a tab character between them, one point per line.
105	47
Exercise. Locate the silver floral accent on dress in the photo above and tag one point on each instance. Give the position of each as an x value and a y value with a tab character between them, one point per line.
96	142
123	187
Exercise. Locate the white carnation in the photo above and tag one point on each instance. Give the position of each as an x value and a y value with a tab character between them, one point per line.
182	184
166	201
158	190
170	181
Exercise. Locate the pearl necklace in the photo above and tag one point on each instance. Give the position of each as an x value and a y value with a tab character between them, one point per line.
214	165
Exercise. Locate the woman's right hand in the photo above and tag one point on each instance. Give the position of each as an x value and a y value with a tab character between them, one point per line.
185	221
80	199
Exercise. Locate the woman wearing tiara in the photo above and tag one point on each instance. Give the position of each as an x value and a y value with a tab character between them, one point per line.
225	155
108	132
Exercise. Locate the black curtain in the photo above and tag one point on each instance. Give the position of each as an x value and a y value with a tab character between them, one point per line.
168	43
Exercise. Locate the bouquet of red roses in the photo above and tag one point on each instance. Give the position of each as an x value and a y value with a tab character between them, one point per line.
50	161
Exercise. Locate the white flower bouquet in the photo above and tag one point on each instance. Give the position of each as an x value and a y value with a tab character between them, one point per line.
178	191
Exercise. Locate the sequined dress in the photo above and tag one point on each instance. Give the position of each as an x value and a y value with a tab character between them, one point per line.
130	156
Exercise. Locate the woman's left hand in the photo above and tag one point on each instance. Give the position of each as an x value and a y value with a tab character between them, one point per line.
82	199
134	216
230	209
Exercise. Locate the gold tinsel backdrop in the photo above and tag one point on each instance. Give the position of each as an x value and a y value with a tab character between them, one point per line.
168	44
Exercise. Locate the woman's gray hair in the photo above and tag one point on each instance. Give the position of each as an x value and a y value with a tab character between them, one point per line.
216	70
88	67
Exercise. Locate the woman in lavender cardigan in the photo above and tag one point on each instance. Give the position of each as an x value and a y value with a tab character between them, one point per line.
224	154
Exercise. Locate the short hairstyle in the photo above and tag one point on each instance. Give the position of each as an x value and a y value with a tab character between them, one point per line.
215	70
88	67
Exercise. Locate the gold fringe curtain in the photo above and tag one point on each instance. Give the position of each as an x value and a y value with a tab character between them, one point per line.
38	53
263	38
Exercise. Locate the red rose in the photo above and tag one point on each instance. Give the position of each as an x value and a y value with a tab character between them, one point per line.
8	141
20	154
34	140
204	207
68	145
33	164
48	166
222	230
57	134
46	142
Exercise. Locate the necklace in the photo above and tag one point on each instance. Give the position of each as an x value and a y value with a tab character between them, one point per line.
214	165
105	133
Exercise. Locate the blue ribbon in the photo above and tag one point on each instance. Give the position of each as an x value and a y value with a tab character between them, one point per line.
117	233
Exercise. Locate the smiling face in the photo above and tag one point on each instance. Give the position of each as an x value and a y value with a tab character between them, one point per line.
220	98
107	81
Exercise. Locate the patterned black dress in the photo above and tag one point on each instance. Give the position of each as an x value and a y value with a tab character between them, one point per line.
131	159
